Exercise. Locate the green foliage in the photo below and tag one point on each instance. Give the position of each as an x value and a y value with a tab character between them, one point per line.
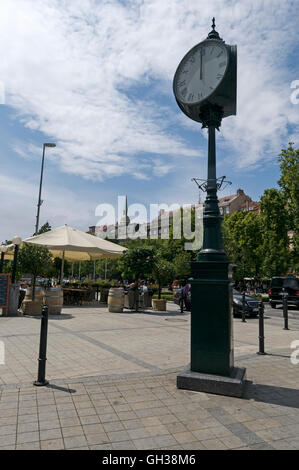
34	259
57	263
44	228
109	268
136	263
274	214
260	245
163	295
276	256
181	265
7	268
275	241
242	234
289	184
162	271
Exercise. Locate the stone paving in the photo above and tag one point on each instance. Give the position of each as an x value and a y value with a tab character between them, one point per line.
113	385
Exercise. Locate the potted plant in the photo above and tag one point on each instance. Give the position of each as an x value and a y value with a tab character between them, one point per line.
162	271
135	264
36	260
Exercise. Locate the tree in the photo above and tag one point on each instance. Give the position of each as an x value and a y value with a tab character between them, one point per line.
242	239
36	260
181	265
276	256
275	222
162	272
289	184
44	228
108	268
136	263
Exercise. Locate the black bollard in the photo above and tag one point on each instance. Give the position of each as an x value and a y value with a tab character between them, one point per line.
41	378
261	331
285	309
243	307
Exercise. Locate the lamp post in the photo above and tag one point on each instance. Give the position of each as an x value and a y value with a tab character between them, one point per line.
16	242
39	203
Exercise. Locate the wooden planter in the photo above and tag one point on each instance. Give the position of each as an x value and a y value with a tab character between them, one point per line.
159	305
32	307
116	299
54	300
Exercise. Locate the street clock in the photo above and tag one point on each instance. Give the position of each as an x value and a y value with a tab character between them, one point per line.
206	76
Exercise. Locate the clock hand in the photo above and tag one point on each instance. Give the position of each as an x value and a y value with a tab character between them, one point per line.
200	64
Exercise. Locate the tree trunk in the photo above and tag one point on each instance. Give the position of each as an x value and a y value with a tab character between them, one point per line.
159	290
33	287
136	296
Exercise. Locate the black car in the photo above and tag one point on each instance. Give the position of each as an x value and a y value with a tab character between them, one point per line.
252	305
278	285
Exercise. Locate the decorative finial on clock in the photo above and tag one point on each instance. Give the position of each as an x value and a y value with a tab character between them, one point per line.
213	34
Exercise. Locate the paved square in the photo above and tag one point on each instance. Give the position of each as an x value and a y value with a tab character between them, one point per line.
113	385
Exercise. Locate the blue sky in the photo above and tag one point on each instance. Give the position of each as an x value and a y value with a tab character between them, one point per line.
95	76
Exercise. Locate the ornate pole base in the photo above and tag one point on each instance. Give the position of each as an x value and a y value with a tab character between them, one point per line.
212	357
211	318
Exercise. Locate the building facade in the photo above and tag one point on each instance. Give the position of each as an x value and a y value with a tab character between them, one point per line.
159	227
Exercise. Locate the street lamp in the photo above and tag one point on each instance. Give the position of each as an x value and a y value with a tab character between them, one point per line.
16	241
40	185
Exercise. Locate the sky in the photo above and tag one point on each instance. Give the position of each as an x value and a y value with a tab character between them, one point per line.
95	77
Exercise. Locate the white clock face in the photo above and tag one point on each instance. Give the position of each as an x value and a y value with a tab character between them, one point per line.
200	72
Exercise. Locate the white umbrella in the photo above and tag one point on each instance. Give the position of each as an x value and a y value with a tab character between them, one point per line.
73	245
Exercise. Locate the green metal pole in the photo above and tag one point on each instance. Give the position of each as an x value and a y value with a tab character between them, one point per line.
212	239
211	309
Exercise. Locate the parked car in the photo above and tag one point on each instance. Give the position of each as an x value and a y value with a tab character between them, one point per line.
252	305
291	286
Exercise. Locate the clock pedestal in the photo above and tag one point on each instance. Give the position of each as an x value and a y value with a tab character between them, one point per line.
212	359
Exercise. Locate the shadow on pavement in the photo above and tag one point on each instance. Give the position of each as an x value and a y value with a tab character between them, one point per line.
272	394
60	316
62	389
86	306
159	314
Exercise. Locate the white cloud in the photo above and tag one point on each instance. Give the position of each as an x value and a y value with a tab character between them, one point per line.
61	206
70	67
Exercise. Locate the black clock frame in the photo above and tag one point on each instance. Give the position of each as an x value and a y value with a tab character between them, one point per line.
224	96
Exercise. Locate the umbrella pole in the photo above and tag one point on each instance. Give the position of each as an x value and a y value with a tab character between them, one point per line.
62	268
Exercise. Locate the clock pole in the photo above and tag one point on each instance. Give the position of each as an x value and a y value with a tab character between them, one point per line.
212	249
212	357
